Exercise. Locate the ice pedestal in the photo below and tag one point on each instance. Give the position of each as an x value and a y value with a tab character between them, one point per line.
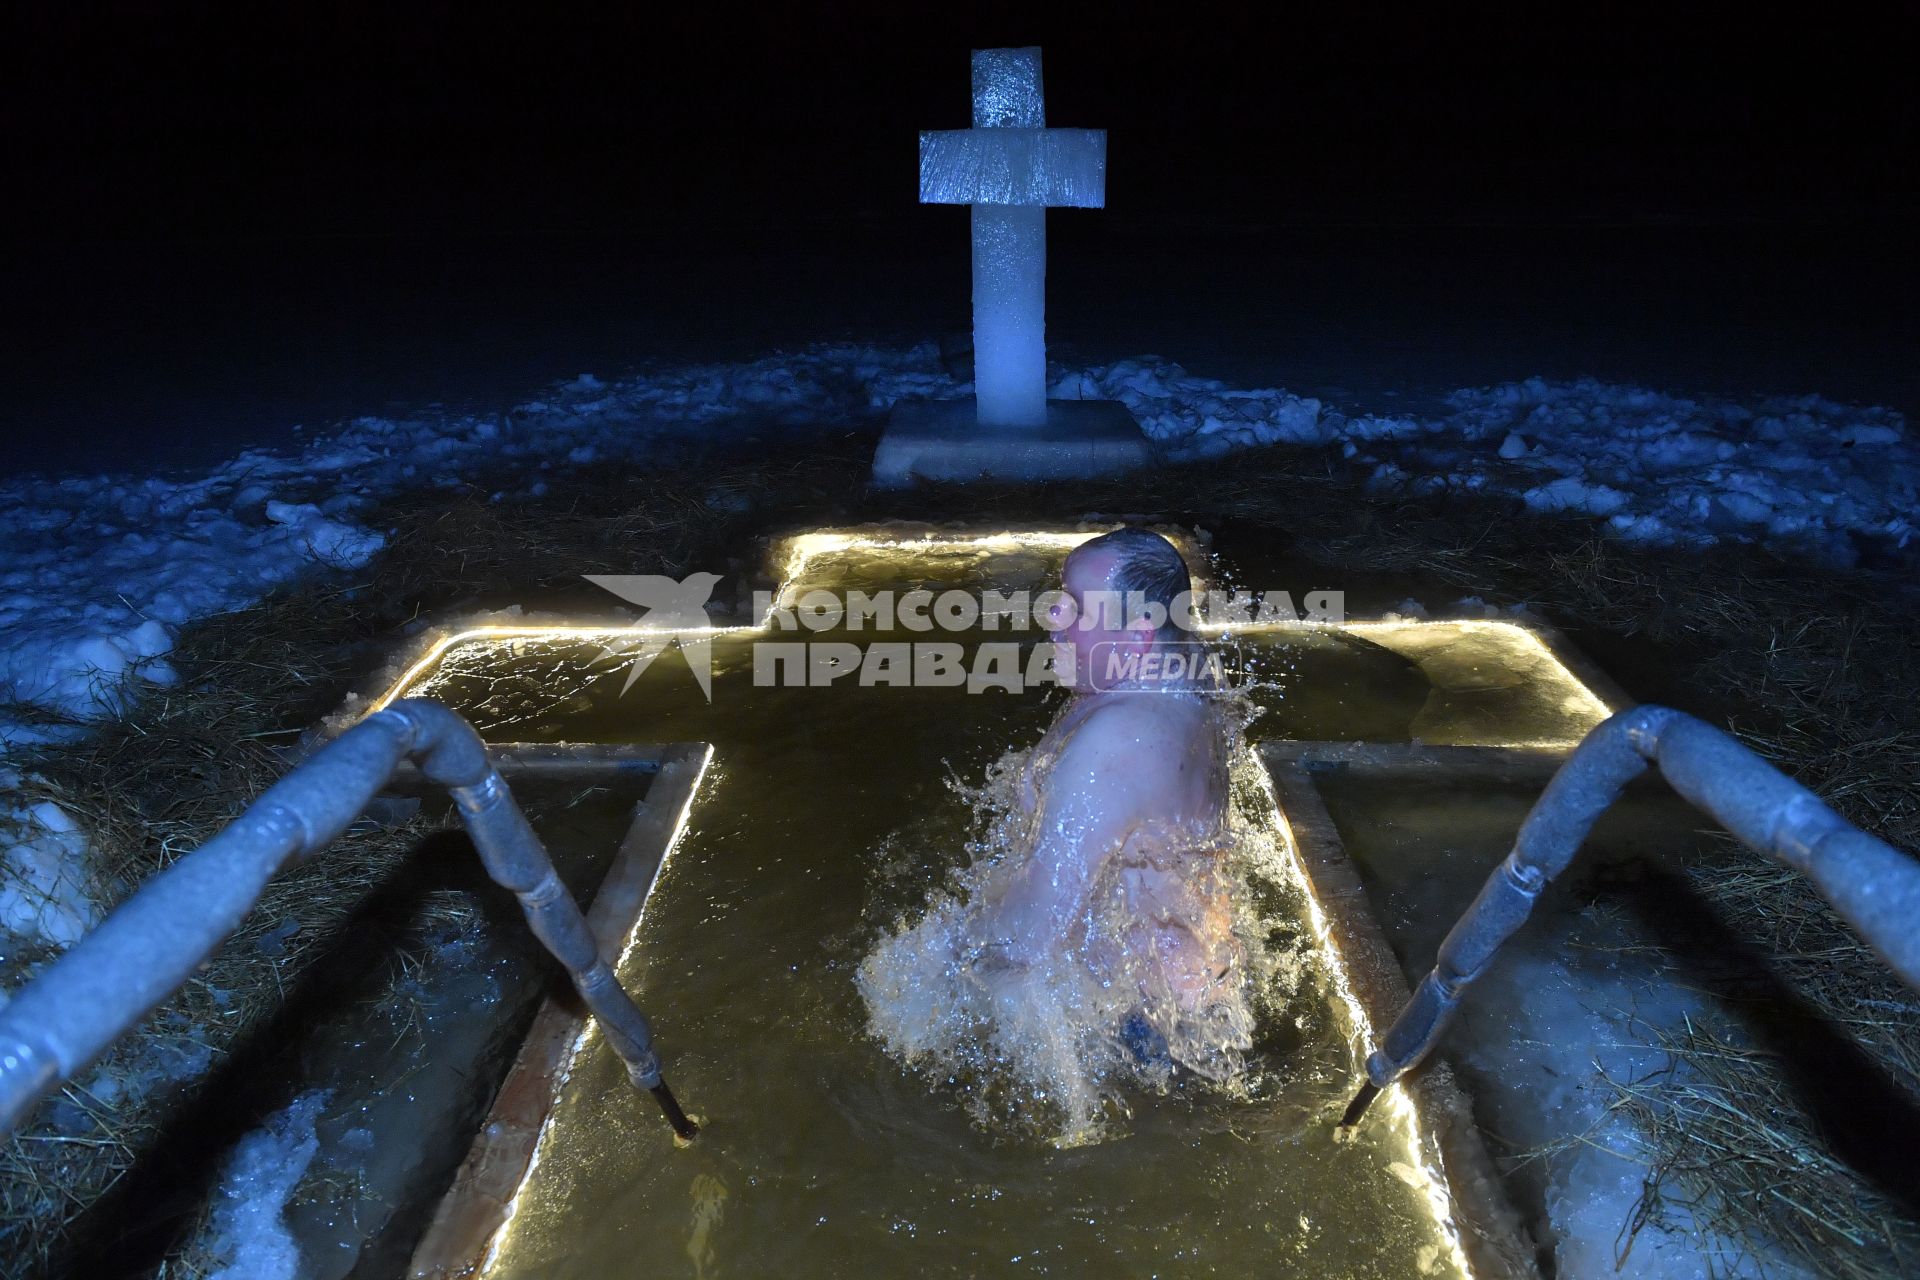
935	441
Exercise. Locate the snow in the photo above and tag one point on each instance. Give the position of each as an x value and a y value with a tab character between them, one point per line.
1569	493
43	892
97	572
250	1233
336	545
1803	474
1192	417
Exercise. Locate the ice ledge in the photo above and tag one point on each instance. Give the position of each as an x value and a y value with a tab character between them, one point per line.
933	441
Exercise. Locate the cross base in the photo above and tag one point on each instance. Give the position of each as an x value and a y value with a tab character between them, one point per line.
934	441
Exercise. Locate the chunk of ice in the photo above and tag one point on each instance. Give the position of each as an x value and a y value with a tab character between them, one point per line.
249	1220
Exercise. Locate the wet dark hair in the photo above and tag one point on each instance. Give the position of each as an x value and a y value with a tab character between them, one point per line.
1146	563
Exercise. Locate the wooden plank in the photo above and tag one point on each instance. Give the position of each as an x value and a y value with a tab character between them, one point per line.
552	759
481	1196
1413	759
1492	1234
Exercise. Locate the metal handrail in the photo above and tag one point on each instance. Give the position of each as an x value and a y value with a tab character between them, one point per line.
143	952
1874	886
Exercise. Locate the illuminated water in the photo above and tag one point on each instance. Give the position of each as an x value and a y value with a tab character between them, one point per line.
831	818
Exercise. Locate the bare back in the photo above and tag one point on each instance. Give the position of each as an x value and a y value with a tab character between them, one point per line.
1120	784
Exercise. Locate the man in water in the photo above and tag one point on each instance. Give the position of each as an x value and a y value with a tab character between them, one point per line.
1127	792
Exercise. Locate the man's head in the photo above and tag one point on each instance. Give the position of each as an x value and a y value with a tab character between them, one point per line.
1132	590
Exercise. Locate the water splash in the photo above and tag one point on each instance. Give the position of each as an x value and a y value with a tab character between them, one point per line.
1052	1047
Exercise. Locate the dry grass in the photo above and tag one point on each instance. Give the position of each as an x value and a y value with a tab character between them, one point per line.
1728	1140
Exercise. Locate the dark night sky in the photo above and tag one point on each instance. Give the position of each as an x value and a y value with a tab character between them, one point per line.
221	215
347	118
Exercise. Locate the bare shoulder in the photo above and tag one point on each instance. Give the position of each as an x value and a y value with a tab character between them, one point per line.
1128	735
1148	717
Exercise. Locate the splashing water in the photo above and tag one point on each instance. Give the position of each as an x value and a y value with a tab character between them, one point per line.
1051	1047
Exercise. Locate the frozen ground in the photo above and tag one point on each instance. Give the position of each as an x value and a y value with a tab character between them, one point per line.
98	573
1802	473
1570	1015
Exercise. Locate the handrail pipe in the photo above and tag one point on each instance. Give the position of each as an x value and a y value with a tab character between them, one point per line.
1874	886
62	1021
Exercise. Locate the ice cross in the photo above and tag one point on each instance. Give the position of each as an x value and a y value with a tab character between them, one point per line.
1010	167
